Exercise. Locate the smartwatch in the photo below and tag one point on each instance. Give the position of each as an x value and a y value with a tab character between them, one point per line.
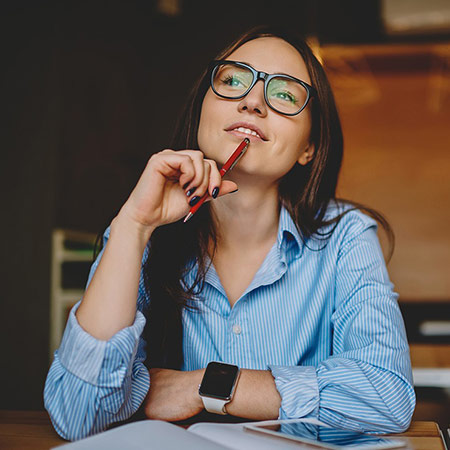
218	386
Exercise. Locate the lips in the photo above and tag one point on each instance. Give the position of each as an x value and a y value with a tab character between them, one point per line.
247	129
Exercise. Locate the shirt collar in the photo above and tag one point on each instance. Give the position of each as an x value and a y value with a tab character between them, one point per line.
289	238
289	242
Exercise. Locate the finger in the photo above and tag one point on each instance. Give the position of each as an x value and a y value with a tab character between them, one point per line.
190	185
202	189
215	180
173	165
227	187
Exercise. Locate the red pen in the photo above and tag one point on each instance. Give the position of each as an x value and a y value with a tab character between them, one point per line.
231	162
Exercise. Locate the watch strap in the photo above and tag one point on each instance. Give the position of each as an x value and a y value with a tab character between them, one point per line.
215	405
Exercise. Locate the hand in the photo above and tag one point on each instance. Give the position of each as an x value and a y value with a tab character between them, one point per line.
160	196
173	394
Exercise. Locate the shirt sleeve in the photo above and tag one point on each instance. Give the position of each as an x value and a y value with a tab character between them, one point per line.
366	383
93	383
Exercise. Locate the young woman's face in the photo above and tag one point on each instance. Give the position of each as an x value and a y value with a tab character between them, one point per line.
284	140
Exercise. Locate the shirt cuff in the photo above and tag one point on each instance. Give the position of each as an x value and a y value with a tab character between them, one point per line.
299	391
84	356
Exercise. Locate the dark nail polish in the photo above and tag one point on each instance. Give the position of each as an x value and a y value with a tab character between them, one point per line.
186	185
190	191
233	191
215	192
194	200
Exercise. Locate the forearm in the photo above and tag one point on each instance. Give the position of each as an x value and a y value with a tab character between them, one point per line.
109	303
256	396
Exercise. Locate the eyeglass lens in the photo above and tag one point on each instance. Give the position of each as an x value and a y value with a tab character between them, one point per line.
283	94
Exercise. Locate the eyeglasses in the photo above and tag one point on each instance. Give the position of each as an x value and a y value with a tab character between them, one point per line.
284	94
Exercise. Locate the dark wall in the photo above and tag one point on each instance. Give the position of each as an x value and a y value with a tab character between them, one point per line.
29	147
89	91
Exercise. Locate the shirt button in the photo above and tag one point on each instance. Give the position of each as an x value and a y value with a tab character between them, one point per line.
237	329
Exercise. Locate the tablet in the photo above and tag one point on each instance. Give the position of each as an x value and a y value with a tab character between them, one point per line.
319	436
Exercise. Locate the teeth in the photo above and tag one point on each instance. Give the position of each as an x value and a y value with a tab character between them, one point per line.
248	131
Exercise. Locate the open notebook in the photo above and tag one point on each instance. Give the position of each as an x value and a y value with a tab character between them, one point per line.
156	434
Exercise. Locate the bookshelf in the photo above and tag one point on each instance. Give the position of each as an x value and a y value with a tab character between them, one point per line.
71	258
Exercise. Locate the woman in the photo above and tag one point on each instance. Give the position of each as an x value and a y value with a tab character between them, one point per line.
278	278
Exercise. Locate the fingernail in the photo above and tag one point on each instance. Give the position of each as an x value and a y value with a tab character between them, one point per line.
186	185
215	192
194	200
190	191
233	191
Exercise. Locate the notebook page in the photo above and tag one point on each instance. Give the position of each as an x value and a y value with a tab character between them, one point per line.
145	434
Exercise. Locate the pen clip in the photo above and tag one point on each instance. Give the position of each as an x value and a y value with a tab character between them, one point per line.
240	156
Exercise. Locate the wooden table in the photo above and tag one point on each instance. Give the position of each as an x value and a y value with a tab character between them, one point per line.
27	430
23	430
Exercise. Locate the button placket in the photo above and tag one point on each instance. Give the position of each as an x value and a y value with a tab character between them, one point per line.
235	319
236	329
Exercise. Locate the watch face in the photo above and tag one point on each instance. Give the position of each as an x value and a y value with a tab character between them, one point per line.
219	380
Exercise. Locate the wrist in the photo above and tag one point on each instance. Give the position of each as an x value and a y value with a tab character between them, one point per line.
197	379
249	402
218	386
123	224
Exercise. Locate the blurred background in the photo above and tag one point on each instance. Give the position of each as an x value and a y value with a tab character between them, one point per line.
91	89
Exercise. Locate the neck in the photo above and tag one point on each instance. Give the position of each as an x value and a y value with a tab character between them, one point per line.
247	218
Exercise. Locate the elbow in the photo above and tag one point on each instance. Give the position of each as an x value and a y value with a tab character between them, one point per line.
61	426
65	426
402	420
70	428
66	432
70	424
400	413
390	414
400	424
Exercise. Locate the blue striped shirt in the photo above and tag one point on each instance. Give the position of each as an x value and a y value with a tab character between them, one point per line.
326	323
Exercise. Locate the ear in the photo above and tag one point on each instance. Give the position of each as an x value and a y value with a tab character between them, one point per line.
307	155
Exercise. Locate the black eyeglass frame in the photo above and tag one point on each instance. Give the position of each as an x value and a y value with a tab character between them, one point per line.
259	75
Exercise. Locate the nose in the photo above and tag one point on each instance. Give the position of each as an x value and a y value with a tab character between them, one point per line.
254	101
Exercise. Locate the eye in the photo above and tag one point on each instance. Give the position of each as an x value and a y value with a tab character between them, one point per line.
232	80
282	95
286	96
285	91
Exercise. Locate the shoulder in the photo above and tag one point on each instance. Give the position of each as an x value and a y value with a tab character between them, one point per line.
352	220
347	224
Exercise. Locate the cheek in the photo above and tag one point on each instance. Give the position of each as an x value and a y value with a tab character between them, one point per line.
300	135
293	142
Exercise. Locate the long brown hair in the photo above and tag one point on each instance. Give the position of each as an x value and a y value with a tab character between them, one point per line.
305	191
